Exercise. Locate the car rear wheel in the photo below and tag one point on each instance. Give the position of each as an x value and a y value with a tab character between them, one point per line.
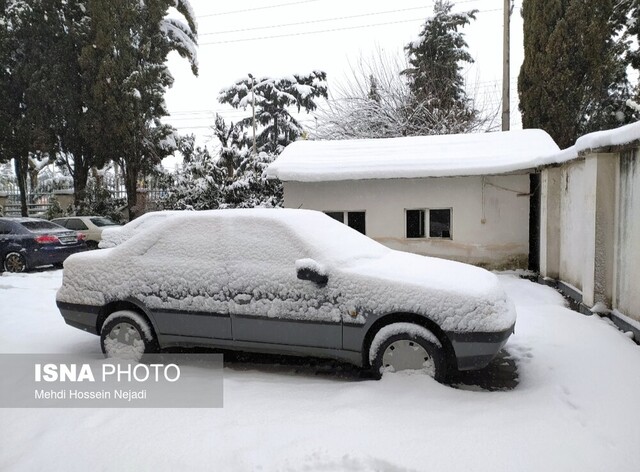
15	262
92	244
126	334
407	347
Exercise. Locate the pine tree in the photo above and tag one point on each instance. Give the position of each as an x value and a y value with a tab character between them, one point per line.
233	146
24	127
435	72
199	185
273	98
130	42
573	79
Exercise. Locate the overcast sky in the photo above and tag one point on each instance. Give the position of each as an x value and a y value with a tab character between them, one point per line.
234	40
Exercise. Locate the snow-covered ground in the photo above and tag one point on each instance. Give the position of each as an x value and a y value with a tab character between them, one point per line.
576	406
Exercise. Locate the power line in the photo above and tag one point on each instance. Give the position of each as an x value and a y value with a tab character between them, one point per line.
324	20
304	33
266	7
309	32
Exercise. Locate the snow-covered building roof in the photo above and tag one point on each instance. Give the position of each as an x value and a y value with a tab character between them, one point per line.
600	140
413	157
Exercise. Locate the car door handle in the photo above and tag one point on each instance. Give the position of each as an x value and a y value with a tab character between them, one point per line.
242	298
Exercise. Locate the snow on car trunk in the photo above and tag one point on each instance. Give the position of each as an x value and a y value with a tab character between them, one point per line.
575	407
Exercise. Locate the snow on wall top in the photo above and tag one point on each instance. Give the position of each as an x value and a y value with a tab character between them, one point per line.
412	157
598	140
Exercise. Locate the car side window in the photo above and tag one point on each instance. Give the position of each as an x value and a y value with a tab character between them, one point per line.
61	222
263	241
75	224
198	241
5	228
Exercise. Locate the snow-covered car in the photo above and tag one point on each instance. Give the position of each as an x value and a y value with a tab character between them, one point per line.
113	236
290	282
91	226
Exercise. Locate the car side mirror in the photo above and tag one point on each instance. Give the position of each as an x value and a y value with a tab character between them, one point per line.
308	269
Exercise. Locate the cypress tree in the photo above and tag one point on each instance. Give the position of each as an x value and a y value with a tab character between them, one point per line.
125	58
573	79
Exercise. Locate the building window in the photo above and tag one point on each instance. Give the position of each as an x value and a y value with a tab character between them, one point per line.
415	223
435	223
354	219
336	215
440	223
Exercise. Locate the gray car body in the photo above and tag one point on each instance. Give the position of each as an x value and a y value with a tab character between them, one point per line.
238	326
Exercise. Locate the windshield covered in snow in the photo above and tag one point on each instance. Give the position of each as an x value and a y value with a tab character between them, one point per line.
259	235
332	242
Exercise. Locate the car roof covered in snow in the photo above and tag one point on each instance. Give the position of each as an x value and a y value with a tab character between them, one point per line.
413	157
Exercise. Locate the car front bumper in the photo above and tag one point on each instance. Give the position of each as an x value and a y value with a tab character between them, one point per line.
475	350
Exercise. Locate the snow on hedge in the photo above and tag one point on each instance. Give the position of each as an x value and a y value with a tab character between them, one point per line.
412	157
245	262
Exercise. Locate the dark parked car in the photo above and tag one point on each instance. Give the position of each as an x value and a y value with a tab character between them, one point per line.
26	243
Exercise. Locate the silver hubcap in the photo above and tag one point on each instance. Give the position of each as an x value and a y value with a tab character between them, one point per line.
124	341
13	263
405	354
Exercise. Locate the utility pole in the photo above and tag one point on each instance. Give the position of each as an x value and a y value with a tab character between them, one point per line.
506	76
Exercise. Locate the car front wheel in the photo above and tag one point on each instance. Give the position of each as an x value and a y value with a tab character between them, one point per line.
126	334
15	262
407	347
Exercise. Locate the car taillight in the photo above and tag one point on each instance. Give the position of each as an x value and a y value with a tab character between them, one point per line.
82	236
47	239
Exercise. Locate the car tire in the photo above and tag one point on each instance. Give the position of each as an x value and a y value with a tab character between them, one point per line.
126	334
407	346
14	262
91	245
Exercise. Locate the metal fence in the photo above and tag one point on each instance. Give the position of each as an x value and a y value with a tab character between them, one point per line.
39	203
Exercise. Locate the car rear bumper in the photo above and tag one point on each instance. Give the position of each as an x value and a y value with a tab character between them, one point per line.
475	350
84	317
52	254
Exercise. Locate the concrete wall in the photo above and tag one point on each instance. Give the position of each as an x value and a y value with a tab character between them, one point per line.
489	219
590	230
550	197
572	227
627	253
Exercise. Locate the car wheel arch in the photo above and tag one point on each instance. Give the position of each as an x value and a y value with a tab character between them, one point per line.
132	305
404	317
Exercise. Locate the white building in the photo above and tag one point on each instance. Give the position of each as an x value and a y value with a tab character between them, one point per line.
462	197
590	224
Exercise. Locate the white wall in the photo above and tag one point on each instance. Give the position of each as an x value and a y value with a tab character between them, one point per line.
591	218
573	224
627	261
490	222
550	180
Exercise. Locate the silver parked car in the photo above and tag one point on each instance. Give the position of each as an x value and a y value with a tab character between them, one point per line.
289	282
91	226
